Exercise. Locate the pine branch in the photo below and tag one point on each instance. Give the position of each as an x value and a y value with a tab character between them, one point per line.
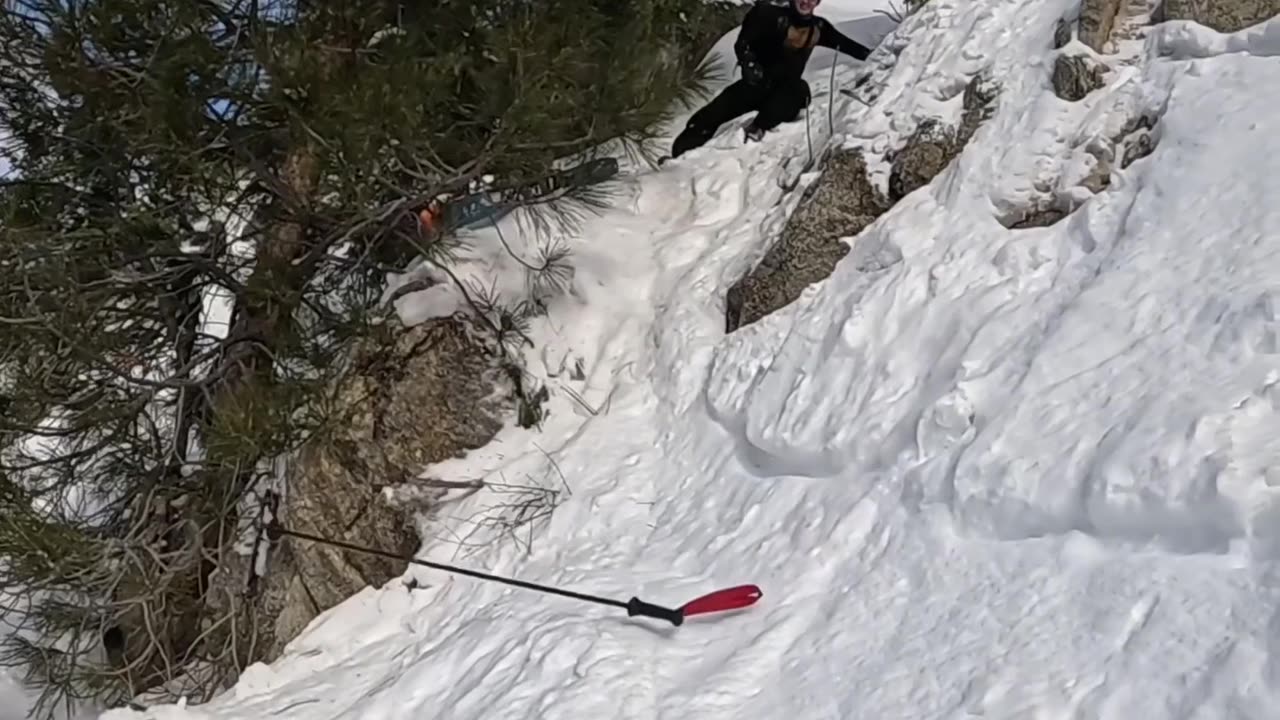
302	143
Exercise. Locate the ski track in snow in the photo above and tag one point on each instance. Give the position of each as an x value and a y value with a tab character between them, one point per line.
1014	474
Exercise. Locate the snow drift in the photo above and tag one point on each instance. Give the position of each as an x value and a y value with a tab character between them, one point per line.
1014	473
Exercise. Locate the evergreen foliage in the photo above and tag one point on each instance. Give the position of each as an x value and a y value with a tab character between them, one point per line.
274	154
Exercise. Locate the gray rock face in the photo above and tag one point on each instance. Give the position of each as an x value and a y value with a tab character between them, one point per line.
1097	19
1099	178
1222	15
1141	146
1038	218
933	146
433	394
841	204
1062	34
921	159
1075	76
1135	139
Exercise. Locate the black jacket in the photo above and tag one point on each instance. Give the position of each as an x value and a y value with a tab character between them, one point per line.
781	40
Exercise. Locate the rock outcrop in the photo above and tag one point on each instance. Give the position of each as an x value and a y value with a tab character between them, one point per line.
933	145
1075	76
926	153
1136	140
1097	20
1225	16
843	202
1062	33
431	393
1038	217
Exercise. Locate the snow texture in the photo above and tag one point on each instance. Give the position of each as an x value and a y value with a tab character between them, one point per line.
13	698
1008	474
16	701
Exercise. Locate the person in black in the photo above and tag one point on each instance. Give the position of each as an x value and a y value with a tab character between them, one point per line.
773	47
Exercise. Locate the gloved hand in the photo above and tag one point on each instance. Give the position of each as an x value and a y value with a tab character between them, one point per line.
752	73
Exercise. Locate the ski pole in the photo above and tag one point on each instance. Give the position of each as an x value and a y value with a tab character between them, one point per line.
831	98
719	601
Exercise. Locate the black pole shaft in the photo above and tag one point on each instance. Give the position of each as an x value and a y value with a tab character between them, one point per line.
831	99
451	568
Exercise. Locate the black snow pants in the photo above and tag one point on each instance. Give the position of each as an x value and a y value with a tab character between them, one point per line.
775	104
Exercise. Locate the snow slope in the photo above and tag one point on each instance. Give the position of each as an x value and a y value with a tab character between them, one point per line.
13	699
1011	474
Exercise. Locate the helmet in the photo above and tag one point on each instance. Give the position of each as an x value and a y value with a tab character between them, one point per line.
804	7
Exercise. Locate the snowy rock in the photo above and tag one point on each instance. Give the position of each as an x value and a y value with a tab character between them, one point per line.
1075	76
1062	33
1225	16
1099	177
1136	140
432	395
1097	18
841	203
933	145
924	156
979	105
1039	217
1143	145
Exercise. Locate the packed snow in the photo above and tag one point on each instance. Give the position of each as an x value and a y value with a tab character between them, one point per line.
1023	473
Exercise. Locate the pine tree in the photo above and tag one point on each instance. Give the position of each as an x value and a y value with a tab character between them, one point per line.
275	155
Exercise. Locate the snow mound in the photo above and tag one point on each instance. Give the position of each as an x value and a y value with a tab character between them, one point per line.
1183	40
1011	474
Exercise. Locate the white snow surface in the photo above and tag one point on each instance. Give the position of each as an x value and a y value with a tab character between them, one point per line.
996	473
13	698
